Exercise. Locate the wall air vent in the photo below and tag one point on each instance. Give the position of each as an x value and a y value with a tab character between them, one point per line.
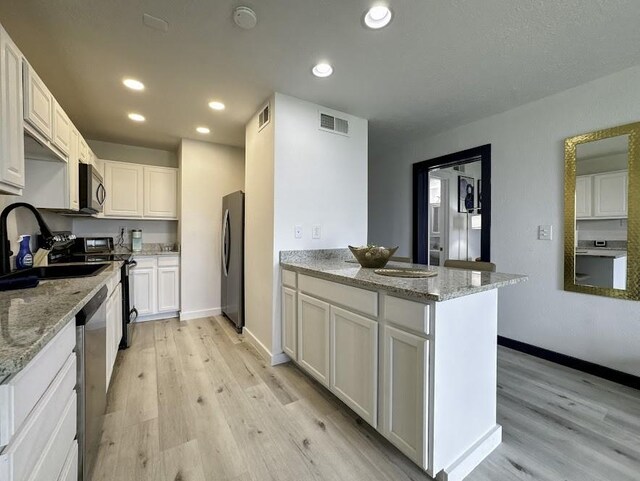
336	125
459	168
264	117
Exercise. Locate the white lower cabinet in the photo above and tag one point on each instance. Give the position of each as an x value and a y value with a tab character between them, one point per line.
289	323
42	421
354	362
405	392
313	337
114	326
155	286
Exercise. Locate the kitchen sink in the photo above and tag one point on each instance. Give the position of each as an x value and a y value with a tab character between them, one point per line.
406	272
62	271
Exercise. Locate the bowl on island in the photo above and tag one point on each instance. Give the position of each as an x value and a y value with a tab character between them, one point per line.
374	257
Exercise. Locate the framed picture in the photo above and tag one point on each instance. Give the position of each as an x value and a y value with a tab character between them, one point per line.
466	194
479	196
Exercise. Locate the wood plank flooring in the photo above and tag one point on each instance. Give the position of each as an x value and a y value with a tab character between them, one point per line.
192	401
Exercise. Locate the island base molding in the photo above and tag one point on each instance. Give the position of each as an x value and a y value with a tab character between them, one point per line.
472	457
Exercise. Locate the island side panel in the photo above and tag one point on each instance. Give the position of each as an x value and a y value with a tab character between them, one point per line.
464	357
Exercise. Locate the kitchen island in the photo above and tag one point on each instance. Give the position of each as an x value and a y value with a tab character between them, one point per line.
415	358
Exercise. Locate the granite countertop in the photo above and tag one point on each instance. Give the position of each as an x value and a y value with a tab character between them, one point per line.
30	318
150	249
601	252
335	265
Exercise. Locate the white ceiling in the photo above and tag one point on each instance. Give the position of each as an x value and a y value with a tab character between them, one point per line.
439	64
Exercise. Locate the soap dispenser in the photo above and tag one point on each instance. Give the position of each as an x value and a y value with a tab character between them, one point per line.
24	259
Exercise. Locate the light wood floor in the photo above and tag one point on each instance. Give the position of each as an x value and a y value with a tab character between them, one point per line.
192	402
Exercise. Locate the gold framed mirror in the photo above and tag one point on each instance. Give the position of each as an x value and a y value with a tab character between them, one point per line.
602	213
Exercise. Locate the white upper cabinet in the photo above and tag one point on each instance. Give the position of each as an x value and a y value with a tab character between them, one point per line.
583	196
38	103
61	129
160	192
73	168
610	194
12	174
84	151
124	184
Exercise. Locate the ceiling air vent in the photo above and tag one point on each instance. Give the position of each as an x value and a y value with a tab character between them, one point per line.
264	117
329	123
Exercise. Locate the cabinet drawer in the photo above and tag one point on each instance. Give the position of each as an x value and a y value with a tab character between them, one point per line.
54	457
70	468
352	297
168	261
145	262
28	446
19	396
409	314
289	278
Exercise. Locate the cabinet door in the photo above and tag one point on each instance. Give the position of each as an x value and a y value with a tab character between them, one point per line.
111	324
289	323
160	192
354	362
143	285
124	186
313	337
584	201
168	289
610	194
73	166
84	151
38	103
61	129
405	393
11	117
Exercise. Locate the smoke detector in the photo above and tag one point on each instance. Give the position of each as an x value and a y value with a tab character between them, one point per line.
245	18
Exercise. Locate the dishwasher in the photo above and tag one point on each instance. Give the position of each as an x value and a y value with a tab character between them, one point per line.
91	340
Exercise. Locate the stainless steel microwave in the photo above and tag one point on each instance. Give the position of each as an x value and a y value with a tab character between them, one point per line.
91	190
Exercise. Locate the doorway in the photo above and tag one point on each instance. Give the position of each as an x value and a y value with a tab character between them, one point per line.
452	207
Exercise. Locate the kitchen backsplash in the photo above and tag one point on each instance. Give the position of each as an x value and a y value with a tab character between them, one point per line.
153	231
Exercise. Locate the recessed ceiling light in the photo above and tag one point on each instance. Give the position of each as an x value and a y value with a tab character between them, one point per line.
136	117
215	105
322	70
377	17
133	84
203	130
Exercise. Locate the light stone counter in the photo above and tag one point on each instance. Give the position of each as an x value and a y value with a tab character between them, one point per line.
30	318
150	249
335	265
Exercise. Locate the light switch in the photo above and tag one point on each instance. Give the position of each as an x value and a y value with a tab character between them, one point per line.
316	232
545	232
297	231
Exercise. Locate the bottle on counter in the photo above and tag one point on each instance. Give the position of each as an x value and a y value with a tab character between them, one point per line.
24	259
136	240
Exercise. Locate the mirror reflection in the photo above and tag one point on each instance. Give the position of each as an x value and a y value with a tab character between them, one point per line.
601	211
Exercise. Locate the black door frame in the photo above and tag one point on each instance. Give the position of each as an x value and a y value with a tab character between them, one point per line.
421	198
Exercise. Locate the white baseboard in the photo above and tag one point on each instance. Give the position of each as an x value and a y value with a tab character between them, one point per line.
158	317
262	349
466	463
187	316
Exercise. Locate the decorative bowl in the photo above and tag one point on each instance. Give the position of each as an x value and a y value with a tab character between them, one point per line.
374	257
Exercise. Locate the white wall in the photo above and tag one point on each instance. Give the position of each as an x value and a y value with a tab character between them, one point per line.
153	231
319	178
259	228
207	173
132	153
527	190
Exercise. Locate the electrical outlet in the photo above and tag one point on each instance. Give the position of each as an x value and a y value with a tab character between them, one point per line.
297	231
316	232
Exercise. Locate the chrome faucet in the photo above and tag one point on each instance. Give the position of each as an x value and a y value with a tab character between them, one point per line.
5	243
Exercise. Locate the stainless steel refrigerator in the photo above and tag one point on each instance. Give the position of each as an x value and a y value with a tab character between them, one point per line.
233	258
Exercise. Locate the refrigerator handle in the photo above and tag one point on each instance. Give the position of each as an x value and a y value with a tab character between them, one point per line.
225	244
